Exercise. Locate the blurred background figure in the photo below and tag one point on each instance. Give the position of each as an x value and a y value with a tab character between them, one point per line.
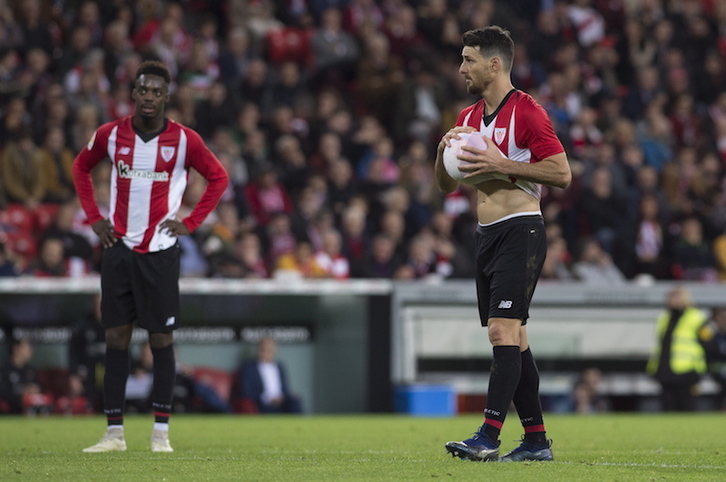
87	353
678	360
20	390
587	394
75	402
713	337
263	382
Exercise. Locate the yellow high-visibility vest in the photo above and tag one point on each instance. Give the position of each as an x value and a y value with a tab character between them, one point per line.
687	353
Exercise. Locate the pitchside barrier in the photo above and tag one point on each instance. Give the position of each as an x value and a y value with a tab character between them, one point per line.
377	345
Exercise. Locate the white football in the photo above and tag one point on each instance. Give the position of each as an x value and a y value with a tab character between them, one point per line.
452	162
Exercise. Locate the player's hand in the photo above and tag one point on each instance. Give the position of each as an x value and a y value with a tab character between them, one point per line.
453	134
482	161
173	227
104	230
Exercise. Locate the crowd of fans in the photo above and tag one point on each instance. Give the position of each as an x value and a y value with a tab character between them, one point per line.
327	113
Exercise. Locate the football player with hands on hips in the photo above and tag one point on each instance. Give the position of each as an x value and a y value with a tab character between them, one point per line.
505	147
151	158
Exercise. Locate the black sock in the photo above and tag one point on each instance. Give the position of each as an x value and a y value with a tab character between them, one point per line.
114	385
503	381
526	400
164	376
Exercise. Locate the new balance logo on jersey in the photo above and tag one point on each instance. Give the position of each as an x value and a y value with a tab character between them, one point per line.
505	304
170	321
124	151
125	171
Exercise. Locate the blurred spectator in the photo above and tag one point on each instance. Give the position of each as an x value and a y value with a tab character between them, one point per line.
678	360
234	57
587	393
421	261
263	381
50	261
22	171
8	263
713	337
301	263
380	77
57	166
645	242
419	106
87	352
37	31
267	196
593	265
330	258
355	236
602	208
693	258
279	238
381	260
719	252
220	241
334	50
557	263
248	251
215	111
77	251
75	401
21	391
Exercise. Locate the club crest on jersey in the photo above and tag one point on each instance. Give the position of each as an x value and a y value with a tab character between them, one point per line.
499	134
167	152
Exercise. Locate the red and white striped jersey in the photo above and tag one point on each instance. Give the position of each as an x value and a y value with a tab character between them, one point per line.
148	180
521	129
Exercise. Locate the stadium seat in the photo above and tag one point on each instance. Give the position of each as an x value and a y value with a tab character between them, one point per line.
220	380
20	218
54	380
44	216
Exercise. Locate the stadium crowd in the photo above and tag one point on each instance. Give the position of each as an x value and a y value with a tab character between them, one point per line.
326	114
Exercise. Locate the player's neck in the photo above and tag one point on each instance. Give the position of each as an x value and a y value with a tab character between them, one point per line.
148	126
495	93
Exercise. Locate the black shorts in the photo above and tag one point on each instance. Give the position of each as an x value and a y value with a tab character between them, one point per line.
140	287
510	255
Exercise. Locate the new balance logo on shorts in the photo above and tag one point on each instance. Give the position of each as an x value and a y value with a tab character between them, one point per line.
505	304
170	321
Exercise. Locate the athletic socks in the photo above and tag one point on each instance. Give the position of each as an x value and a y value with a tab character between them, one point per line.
503	380
526	400
114	386
164	376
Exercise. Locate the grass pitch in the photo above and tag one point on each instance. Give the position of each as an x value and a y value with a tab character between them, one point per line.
609	447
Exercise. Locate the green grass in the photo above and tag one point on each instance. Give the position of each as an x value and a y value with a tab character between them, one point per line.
364	447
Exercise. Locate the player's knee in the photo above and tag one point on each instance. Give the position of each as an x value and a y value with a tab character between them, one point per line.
506	333
119	337
160	340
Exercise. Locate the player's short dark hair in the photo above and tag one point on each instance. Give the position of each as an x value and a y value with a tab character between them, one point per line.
154	67
492	40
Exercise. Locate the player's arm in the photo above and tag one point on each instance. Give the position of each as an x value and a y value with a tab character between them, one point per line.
444	182
553	170
206	163
85	161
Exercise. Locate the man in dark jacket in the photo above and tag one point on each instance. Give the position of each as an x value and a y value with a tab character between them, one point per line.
263	381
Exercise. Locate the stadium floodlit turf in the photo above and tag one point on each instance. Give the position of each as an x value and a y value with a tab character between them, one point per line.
612	447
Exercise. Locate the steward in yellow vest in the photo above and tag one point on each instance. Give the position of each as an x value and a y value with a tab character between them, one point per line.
679	359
